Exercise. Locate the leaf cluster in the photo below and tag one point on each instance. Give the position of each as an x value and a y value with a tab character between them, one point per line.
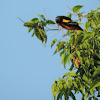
38	26
81	51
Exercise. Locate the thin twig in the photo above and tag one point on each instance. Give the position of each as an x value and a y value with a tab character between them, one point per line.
63	34
60	39
69	8
71	13
20	19
55	33
50	29
84	25
72	10
46	14
48	18
80	17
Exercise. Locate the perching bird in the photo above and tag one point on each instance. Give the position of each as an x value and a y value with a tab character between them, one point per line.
67	23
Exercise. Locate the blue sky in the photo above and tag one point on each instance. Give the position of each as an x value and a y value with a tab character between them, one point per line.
27	68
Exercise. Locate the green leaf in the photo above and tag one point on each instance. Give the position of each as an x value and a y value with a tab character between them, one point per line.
33	34
69	15
40	34
72	66
60	45
86	95
50	22
35	20
55	52
55	90
96	73
93	23
41	16
98	8
59	96
95	84
65	85
32	23
79	55
44	35
66	74
29	24
68	57
72	95
63	57
86	79
87	25
62	52
77	8
80	23
87	36
89	98
92	92
71	74
98	26
70	80
30	29
60	85
53	42
75	84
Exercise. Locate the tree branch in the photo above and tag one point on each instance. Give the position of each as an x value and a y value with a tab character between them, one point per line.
49	18
63	34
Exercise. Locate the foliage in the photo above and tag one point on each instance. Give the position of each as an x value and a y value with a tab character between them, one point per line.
38	27
82	50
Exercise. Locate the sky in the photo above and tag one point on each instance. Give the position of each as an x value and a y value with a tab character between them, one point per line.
28	68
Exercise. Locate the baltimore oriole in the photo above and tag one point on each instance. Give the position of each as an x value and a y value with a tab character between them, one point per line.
67	23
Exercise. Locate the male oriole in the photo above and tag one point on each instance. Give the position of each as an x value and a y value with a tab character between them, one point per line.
67	23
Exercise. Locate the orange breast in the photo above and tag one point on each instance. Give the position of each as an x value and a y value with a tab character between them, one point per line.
66	27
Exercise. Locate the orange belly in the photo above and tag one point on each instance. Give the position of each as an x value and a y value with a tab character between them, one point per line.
66	27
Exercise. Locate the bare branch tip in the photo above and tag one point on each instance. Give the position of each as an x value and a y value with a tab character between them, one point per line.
20	19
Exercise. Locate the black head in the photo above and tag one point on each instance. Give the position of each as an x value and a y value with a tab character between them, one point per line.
60	18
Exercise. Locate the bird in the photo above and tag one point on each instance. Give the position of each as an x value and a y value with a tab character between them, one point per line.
67	23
